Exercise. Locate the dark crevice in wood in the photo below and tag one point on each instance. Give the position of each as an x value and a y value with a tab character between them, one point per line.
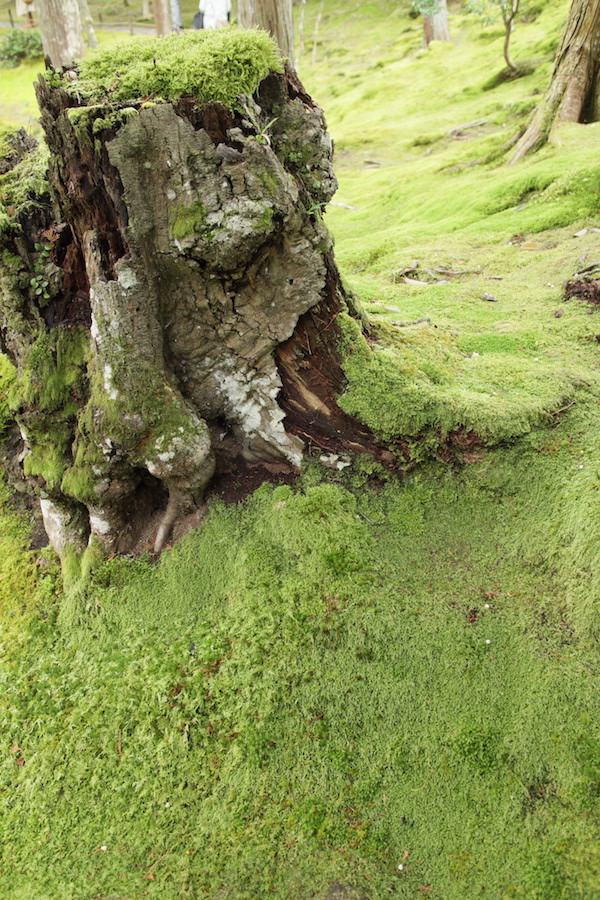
72	305
310	367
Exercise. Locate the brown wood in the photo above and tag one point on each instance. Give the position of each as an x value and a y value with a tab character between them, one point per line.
571	96
274	16
161	16
435	26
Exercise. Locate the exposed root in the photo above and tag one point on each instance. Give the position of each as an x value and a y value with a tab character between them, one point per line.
172	513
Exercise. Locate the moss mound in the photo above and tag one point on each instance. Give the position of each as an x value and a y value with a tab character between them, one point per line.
208	65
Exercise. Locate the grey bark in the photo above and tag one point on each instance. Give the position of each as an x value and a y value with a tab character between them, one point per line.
274	16
176	19
572	94
62	34
87	24
435	26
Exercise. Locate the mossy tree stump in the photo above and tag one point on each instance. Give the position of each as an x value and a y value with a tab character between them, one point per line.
189	293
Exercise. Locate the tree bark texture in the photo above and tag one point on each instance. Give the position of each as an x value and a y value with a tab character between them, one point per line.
274	16
435	26
62	34
573	92
161	16
87	24
191	308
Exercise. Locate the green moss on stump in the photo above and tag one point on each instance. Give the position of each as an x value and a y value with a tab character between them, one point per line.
211	65
23	187
189	220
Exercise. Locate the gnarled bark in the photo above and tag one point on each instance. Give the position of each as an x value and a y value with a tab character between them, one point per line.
573	92
195	296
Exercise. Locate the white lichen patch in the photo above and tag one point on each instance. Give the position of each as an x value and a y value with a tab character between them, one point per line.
251	401
98	523
107	374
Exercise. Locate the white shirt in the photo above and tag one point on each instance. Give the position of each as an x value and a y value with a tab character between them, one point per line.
216	10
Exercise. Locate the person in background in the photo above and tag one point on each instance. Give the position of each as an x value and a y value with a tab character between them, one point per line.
216	13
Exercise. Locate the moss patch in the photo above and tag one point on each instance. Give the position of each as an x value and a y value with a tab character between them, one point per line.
24	187
209	65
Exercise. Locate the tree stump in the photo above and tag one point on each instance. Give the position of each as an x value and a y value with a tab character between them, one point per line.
188	307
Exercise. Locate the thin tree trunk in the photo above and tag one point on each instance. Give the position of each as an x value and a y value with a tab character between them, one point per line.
176	14
62	34
435	26
146	11
571	95
87	24
275	16
508	30
161	16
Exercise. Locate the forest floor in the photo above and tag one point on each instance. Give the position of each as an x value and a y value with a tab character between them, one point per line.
351	687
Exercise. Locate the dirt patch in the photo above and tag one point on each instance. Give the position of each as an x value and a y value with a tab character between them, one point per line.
584	289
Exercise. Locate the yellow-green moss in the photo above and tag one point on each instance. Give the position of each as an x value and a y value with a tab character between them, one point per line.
23	187
207	65
189	220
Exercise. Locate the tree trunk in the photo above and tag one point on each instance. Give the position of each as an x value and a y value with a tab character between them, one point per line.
62	35
87	24
186	318
176	14
435	26
161	16
510	14
572	94
146	12
274	16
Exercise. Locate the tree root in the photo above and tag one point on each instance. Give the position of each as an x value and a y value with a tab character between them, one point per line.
172	513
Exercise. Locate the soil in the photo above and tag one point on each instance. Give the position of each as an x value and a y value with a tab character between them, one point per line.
583	289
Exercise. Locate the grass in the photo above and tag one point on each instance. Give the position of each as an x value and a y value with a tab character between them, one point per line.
302	692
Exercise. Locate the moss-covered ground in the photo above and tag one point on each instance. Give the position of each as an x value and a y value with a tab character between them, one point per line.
342	678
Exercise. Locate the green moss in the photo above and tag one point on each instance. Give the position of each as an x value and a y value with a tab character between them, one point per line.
54	369
210	65
24	187
47	396
420	378
78	481
189	220
7	377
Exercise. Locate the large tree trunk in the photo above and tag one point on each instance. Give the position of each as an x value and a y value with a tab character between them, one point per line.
187	314
435	26
87	24
275	16
62	33
573	92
